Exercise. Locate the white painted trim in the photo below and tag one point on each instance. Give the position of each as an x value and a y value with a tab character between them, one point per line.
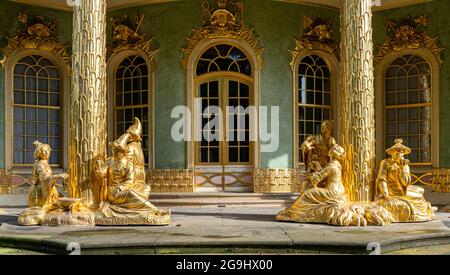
64	72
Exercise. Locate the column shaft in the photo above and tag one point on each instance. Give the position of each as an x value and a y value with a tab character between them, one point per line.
87	137
357	134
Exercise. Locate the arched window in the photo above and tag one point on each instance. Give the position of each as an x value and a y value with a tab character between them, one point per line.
36	109
224	58
408	106
314	97
131	98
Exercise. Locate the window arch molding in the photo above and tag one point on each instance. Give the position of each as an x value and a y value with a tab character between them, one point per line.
191	65
380	87
113	64
333	64
65	73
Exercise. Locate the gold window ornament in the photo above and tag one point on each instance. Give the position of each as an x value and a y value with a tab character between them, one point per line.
37	110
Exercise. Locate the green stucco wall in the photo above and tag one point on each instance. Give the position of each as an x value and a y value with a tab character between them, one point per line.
8	27
439	26
276	22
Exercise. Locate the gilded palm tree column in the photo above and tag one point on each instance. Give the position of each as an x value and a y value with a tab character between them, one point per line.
357	99
87	140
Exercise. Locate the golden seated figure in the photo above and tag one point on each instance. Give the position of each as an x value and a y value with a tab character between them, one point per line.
118	186
43	195
325	201
316	149
127	192
395	192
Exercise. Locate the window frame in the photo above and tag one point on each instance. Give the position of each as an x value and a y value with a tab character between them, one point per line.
113	64
380	101
223	78
191	86
333	64
64	72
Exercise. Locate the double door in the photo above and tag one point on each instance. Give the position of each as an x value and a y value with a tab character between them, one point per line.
224	152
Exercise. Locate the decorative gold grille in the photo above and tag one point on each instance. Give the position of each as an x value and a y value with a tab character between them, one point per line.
36	108
314	97
408	106
132	98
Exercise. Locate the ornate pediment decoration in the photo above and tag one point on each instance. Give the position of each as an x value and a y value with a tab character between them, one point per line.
223	22
126	36
38	33
317	35
409	34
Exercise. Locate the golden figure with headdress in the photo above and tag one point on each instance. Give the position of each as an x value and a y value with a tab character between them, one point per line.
316	149
118	185
325	201
395	192
127	192
43	195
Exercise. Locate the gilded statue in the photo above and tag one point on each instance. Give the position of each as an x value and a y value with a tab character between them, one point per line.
395	192
127	192
316	149
118	185
325	201
43	195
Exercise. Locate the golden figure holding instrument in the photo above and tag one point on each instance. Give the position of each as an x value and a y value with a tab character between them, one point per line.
118	186
325	201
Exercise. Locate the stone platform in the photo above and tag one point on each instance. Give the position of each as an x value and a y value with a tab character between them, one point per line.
222	231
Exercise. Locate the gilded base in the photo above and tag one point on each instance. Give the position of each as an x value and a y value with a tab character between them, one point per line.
38	216
58	217
160	217
346	214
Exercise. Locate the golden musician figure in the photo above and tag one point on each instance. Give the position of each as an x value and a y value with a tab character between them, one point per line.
323	196
118	186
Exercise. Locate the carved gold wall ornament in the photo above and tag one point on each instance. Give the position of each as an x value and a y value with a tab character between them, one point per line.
171	181
317	35
40	34
409	34
441	181
126	36
224	22
5	181
277	180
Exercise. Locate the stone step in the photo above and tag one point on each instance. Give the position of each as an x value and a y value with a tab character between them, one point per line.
222	199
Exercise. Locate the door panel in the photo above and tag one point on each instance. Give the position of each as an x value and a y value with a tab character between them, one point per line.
224	165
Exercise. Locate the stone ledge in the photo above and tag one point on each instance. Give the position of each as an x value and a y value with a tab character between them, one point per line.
223	231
